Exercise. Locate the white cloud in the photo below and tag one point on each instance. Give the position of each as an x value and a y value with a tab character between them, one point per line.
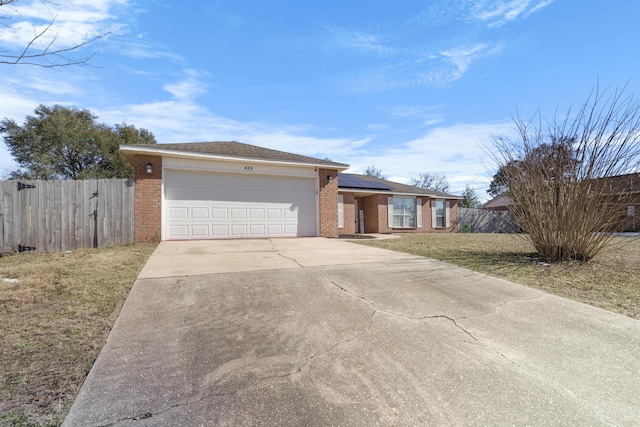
73	22
455	151
182	120
189	87
360	41
144	48
461	58
499	13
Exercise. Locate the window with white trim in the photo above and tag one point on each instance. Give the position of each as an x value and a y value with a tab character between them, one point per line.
440	218
404	212
440	213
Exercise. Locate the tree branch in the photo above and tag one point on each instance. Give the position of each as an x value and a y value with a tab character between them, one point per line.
49	56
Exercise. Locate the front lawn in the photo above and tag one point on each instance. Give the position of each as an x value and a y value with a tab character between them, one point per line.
610	281
56	310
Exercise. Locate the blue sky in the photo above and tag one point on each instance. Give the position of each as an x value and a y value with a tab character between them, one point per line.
408	86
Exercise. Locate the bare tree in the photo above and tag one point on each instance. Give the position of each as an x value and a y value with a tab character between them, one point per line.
558	174
43	49
431	181
374	172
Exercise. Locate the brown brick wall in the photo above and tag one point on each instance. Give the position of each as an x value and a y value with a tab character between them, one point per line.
453	218
148	200
372	213
349	214
328	202
382	209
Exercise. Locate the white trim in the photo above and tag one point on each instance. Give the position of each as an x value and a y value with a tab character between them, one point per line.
340	211
390	212
434	218
447	213
418	212
163	205
317	178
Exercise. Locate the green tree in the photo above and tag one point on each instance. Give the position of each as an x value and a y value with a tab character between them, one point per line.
431	181
67	143
499	184
374	172
470	199
552	160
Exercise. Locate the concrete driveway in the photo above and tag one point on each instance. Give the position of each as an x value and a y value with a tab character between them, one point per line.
319	332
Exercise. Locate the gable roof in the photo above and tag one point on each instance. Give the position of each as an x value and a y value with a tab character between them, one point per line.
227	150
370	184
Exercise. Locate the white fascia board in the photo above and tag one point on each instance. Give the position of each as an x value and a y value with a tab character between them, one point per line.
135	149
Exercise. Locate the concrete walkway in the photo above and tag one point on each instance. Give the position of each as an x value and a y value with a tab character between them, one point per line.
319	332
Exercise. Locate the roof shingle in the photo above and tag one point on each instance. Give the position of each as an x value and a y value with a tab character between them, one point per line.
240	150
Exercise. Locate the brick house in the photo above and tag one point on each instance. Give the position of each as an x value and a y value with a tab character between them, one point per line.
232	190
372	205
621	195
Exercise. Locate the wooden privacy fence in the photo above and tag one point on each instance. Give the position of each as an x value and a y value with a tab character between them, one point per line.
50	216
486	221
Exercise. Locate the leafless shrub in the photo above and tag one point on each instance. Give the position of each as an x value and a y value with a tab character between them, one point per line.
560	174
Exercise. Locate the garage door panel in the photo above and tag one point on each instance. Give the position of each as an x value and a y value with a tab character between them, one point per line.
239	230
219	230
219	213
275	230
178	213
290	213
256	213
208	205
274	213
200	231
238	213
290	229
202	212
179	230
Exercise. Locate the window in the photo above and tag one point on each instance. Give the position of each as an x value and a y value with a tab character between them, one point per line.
440	218
440	213
404	212
340	211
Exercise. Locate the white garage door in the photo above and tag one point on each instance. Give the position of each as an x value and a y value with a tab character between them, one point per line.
211	206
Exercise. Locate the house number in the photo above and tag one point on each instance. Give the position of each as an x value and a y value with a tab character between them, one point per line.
248	168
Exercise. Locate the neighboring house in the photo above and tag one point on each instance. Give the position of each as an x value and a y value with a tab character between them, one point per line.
622	195
500	203
372	205
214	190
625	190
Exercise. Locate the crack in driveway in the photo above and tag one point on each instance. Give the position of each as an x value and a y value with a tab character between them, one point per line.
392	313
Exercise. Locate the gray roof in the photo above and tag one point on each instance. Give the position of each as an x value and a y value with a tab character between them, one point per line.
235	149
394	187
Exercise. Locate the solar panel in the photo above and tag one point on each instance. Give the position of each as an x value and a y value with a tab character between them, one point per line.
354	181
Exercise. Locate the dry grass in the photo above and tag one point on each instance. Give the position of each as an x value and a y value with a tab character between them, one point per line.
610	281
53	323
